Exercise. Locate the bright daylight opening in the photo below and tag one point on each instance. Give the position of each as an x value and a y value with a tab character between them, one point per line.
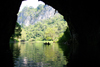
40	28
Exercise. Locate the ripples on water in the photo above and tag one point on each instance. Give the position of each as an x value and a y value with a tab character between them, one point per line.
38	55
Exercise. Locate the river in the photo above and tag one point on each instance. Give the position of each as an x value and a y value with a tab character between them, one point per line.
37	55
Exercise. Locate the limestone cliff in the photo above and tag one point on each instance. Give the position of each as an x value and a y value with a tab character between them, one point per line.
30	15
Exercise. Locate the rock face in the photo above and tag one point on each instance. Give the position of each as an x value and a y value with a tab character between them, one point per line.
31	15
83	19
8	19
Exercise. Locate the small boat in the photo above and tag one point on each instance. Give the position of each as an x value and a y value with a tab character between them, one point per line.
47	43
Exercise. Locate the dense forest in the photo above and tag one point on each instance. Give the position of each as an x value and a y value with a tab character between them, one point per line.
41	24
47	30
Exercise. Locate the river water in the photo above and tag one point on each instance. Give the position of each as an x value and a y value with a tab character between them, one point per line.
37	55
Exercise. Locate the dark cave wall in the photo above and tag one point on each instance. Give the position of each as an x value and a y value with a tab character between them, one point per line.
8	16
9	10
8	19
83	20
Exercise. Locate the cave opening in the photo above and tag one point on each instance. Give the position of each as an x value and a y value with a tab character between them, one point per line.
41	26
84	17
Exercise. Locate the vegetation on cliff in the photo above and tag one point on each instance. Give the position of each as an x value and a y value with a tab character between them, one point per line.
42	24
51	29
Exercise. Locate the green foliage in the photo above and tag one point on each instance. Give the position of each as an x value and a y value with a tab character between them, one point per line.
47	30
14	40
51	29
17	30
50	33
23	36
17	33
65	36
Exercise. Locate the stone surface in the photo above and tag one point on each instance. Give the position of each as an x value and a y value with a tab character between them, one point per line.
25	17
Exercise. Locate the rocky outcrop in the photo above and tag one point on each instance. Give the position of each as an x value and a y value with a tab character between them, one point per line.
46	13
32	15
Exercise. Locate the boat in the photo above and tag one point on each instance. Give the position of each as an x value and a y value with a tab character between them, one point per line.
46	43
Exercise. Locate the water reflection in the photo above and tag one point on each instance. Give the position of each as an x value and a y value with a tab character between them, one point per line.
37	55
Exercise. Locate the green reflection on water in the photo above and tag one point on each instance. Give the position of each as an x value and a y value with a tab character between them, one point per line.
38	54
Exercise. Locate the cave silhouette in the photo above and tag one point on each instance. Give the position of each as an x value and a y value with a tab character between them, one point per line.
83	20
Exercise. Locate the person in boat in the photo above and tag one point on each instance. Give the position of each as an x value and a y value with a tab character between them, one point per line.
47	43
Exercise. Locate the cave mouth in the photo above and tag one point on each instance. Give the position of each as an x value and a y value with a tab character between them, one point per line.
51	31
82	14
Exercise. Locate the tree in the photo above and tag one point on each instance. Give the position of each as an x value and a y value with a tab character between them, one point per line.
17	31
23	35
50	33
